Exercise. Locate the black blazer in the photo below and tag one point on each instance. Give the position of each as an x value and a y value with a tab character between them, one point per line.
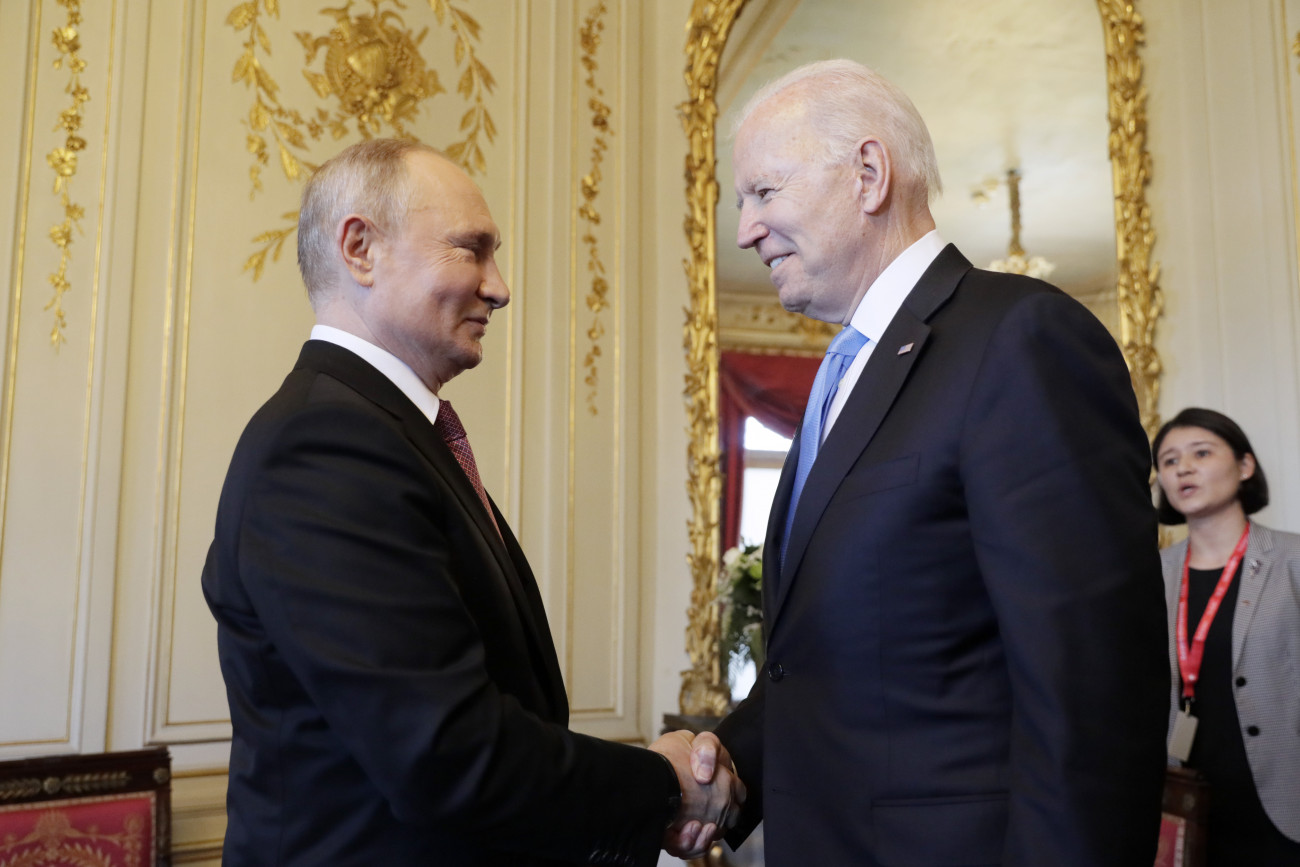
966	647
393	686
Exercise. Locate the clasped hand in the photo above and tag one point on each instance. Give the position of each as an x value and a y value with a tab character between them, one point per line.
712	793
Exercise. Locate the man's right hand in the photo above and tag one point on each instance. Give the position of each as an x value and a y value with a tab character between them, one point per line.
712	793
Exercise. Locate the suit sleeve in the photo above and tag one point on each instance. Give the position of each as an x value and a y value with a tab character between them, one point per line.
742	734
345	552
1055	465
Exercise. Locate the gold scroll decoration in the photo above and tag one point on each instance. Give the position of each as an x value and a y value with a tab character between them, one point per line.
598	296
1137	288
63	160
704	689
372	68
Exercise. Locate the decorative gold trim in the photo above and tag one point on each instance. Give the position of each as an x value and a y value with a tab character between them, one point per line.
1138	294
703	688
746	324
597	299
1137	288
372	66
69	785
63	160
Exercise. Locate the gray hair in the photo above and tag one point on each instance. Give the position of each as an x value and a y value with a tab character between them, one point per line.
852	102
368	178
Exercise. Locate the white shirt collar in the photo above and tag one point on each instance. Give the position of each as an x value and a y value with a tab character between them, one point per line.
891	288
386	363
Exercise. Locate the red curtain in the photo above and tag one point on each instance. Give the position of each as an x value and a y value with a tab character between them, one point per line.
771	388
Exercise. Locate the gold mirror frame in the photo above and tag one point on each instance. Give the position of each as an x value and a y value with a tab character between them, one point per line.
704	688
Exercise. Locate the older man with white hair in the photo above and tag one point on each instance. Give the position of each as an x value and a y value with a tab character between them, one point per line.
961	591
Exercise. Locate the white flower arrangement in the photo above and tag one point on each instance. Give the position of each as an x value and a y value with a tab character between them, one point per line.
740	596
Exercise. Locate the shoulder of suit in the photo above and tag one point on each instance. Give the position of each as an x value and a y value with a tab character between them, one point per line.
1171	558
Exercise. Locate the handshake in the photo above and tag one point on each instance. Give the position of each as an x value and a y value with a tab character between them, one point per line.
712	793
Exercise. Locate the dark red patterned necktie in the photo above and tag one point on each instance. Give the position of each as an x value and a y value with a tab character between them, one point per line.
448	426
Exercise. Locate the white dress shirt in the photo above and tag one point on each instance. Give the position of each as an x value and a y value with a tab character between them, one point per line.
386	363
878	307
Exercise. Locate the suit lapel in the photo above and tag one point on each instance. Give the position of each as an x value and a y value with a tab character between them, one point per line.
864	411
358	374
1255	570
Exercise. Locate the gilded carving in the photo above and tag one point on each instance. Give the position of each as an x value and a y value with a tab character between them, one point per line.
1138	294
745	325
63	159
598	297
703	688
1137	287
372	70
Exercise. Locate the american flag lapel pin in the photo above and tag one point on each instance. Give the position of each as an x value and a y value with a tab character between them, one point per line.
905	348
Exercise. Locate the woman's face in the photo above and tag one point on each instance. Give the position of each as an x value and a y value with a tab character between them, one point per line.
1199	473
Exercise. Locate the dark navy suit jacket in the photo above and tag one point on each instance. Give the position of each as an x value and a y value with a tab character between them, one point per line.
966	648
393	686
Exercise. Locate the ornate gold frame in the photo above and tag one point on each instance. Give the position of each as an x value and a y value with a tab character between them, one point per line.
704	690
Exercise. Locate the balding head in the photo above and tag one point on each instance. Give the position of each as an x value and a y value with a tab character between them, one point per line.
369	178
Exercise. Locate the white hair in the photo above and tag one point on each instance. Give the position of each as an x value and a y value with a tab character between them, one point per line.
851	102
369	178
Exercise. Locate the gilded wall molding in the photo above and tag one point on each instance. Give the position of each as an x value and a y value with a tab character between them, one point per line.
767	328
1137	289
597	299
63	160
704	690
373	71
1139	297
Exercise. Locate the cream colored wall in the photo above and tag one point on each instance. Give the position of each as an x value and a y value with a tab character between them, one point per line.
1224	86
113	445
112	448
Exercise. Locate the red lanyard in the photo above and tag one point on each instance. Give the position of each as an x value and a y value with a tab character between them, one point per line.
1189	659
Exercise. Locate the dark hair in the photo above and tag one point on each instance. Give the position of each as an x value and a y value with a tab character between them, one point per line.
1252	493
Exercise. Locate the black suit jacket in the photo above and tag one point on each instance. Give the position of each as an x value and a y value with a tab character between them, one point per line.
966	646
393	687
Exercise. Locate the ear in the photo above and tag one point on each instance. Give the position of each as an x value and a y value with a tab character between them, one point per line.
357	240
875	170
1247	465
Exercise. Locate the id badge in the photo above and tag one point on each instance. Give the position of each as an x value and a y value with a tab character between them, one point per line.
1180	742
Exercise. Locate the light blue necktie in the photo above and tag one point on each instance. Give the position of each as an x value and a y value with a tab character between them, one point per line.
843	349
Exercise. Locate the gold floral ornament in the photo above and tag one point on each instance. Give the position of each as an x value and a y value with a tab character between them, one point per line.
372	67
598	298
55	840
63	160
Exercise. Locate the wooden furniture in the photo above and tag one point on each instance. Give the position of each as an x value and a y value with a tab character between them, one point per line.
102	808
1183	818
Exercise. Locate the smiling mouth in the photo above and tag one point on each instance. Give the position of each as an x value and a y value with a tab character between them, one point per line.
778	260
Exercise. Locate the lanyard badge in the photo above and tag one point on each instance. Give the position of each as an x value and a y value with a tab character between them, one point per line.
1190	655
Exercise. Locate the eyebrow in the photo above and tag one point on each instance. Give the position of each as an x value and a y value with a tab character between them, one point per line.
482	240
1193	444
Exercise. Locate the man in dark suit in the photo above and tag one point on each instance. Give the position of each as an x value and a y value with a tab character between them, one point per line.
393	687
961	590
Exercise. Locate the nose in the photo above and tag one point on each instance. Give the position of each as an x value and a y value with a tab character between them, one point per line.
493	288
751	230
